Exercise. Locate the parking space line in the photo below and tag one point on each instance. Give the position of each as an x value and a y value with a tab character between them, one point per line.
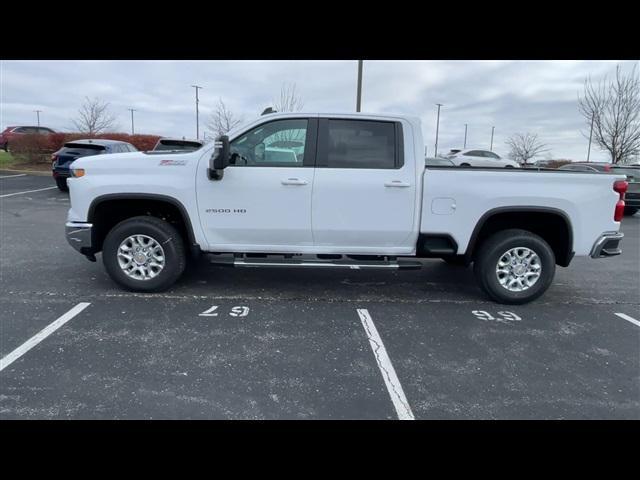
12	176
28	191
629	319
403	409
44	333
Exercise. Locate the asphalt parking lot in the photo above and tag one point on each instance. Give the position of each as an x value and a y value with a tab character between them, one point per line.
303	344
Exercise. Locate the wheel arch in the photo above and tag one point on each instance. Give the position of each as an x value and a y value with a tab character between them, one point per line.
552	224
128	205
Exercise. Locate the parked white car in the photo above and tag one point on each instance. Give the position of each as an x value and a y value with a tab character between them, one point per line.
359	195
479	158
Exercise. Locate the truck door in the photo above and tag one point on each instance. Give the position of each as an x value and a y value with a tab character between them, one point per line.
364	192
264	197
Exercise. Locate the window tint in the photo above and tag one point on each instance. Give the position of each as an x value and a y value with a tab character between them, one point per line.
474	153
280	143
491	155
45	131
361	144
81	149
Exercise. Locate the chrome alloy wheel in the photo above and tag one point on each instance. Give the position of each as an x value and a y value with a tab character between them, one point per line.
518	269
141	257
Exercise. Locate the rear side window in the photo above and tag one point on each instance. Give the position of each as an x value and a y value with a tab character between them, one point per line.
474	153
360	144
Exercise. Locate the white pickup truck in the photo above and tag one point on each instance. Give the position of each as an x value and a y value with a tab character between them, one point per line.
336	191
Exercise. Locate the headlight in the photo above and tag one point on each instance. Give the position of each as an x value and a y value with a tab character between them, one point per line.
77	172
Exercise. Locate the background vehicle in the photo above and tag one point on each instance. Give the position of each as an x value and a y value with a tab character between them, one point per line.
358	196
597	166
61	160
479	158
177	144
11	132
632	197
438	162
578	167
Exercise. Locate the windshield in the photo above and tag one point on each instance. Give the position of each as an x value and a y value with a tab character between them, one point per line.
177	145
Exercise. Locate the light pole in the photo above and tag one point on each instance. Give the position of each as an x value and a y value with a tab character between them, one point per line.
359	94
437	128
465	136
590	135
492	130
197	87
38	114
131	110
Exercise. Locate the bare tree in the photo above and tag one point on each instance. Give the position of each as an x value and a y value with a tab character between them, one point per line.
290	100
94	117
524	147
222	120
614	108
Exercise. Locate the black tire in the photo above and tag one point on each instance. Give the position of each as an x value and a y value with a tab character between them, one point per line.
490	252
162	232
458	261
508	166
61	182
465	165
630	210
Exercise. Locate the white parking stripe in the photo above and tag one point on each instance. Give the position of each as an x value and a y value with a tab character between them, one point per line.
28	191
44	333
628	318
403	409
12	176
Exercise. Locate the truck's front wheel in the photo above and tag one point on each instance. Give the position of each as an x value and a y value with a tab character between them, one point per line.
144	254
514	266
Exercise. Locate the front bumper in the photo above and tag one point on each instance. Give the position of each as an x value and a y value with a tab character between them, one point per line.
607	245
79	236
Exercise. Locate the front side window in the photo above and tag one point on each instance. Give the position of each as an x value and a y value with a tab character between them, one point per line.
361	144
280	143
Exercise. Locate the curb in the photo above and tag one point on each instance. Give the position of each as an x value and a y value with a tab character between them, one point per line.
30	172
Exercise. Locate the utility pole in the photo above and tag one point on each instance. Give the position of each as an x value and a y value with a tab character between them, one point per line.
590	135
197	87
437	128
465	136
38	114
131	110
359	95
492	130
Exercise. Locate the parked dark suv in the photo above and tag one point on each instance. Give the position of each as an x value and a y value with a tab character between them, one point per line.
61	160
12	132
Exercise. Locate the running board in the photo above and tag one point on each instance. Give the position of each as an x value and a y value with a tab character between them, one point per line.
285	262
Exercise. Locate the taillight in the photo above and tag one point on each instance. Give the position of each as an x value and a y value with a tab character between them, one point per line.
54	157
620	186
607	168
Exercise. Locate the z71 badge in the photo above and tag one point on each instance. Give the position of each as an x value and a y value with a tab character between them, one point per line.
176	163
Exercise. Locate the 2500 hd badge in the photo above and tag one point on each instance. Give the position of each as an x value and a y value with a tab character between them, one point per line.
226	210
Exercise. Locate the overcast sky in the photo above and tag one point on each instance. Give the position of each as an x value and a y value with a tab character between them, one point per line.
514	96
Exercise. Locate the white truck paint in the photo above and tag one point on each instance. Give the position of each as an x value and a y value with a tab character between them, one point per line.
315	209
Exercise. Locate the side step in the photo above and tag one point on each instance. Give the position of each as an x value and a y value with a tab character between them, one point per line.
316	263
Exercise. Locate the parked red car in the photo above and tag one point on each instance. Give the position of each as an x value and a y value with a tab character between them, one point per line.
12	132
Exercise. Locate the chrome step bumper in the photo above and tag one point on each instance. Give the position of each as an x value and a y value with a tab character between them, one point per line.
607	245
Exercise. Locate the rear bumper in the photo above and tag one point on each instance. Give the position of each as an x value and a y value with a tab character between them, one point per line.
607	245
79	236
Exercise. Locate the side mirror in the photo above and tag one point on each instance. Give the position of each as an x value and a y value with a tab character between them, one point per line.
220	158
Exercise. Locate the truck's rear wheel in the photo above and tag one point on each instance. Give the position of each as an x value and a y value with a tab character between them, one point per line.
514	266
144	254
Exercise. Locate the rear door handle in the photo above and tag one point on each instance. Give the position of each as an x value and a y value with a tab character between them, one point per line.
397	183
293	181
